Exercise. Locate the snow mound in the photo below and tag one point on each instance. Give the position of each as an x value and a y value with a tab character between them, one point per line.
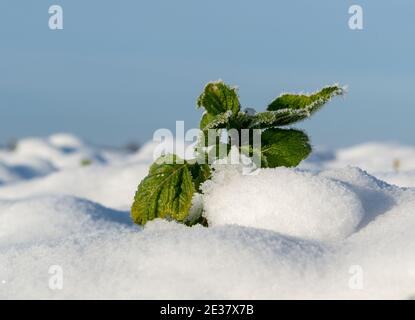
56	152
43	219
377	157
113	186
23	169
164	261
65	140
288	201
403	179
390	161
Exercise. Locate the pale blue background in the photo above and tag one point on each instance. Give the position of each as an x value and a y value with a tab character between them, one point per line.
121	69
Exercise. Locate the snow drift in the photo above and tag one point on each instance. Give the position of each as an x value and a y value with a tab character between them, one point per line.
324	230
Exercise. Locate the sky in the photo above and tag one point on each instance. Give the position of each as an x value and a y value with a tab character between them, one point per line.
119	70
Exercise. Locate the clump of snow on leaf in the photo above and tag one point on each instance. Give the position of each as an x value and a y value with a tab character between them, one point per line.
288	201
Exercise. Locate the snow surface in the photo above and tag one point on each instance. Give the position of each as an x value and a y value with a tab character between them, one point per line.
324	230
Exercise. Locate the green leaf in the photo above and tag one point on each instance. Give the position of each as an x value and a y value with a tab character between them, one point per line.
209	124
218	97
208	138
283	117
291	108
301	101
205	120
284	147
218	151
166	192
218	121
240	121
200	173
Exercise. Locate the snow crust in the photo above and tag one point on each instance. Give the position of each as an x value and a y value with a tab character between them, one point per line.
324	230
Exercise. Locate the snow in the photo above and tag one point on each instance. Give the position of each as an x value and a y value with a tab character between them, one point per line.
292	202
339	226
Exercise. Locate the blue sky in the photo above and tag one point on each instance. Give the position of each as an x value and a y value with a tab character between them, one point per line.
122	69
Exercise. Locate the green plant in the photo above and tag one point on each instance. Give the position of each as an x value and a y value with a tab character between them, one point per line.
168	190
85	162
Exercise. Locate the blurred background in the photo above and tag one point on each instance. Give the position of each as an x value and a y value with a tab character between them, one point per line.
122	69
